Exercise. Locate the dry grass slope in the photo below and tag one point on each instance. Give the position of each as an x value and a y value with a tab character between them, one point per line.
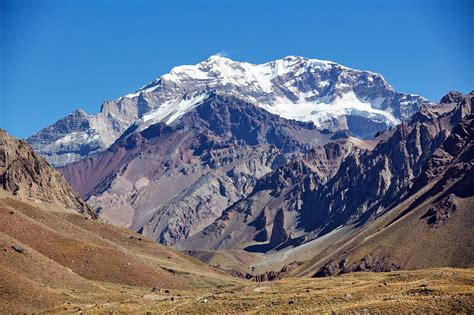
65	257
427	291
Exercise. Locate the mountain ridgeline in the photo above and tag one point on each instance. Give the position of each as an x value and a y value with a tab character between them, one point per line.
331	96
269	186
170	181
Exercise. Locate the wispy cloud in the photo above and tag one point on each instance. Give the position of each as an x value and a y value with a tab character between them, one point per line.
224	53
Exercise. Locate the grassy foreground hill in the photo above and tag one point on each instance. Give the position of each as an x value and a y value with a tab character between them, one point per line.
52	258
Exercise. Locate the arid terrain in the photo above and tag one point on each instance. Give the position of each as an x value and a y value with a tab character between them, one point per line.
51	257
52	260
434	290
237	210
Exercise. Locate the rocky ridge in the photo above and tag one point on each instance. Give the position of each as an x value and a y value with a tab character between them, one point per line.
27	175
435	211
299	203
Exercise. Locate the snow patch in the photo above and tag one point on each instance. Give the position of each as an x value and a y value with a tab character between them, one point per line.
73	137
319	113
171	111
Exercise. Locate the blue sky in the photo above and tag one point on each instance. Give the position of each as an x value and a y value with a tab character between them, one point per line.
57	56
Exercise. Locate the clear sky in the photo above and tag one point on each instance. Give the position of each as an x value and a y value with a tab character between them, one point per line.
57	56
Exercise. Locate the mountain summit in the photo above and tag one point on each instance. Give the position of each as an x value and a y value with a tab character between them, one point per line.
330	95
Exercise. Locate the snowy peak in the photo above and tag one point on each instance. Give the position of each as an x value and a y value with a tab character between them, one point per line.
288	80
324	92
218	71
330	95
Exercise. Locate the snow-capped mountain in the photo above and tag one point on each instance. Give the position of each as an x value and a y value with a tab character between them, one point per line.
331	96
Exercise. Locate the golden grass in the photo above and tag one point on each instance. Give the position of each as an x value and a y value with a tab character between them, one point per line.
441	290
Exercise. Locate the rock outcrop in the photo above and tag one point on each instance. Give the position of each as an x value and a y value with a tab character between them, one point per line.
25	174
426	226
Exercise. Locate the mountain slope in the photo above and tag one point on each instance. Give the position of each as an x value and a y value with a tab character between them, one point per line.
436	213
53	254
269	215
296	203
331	96
51	257
169	182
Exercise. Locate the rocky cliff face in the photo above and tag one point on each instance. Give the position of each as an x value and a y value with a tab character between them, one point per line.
436	212
79	134
268	219
331	96
360	185
27	175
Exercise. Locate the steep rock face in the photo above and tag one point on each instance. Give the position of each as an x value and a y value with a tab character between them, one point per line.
279	234
436	213
331	96
169	182
268	219
27	175
79	134
233	119
364	184
452	163
67	140
370	181
457	144
201	202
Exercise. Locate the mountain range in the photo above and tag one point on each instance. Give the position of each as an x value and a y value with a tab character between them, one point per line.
225	155
57	256
295	168
262	158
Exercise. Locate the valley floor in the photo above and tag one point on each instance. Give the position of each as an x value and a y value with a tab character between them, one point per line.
442	290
